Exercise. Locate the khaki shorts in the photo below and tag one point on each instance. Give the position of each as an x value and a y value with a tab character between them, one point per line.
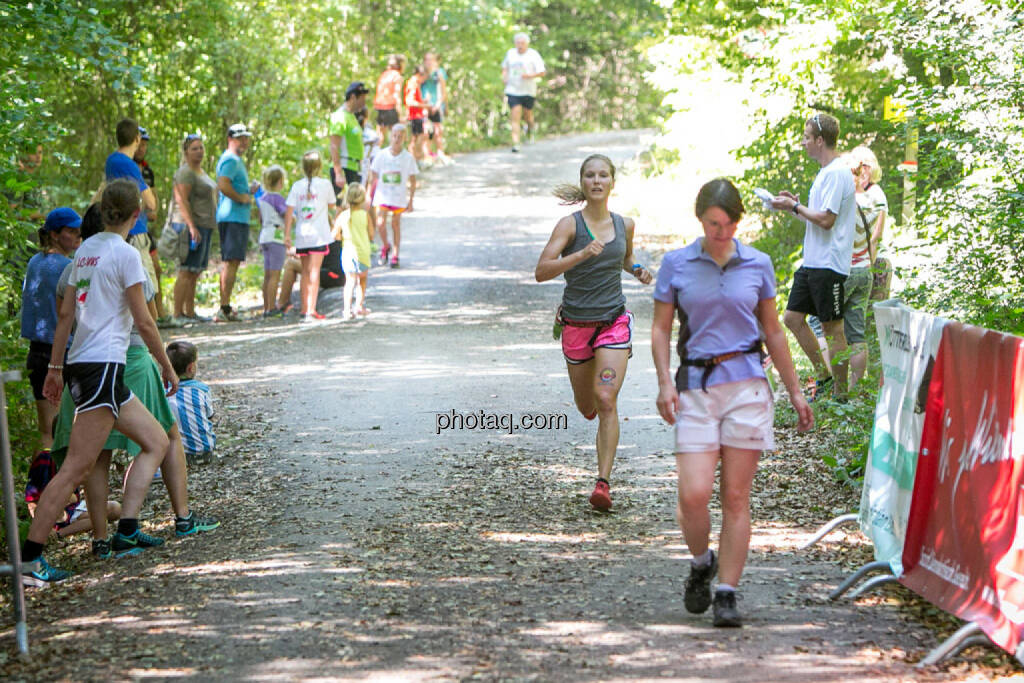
737	414
143	243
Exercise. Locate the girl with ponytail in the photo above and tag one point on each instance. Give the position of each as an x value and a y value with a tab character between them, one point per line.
591	248
310	209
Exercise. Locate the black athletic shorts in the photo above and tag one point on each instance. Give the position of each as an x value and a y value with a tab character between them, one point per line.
350	177
819	292
416	126
386	117
97	385
524	101
436	116
38	365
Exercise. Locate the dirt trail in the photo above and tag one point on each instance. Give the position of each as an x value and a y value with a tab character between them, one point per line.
360	544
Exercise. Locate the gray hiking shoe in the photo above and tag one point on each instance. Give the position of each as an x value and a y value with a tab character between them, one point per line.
698	586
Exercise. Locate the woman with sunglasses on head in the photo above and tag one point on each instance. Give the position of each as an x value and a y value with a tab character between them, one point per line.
719	401
591	248
195	209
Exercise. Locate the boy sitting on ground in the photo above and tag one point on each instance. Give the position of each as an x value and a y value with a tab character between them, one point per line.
192	405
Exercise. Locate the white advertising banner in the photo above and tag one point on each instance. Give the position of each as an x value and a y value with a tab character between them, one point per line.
909	341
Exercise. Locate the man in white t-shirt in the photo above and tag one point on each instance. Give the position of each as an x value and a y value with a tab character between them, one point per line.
393	171
830	216
520	70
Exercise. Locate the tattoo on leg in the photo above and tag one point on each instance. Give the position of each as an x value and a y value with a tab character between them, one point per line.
607	376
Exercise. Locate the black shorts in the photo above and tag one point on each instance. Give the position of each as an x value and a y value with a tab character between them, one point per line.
350	177
386	117
436	116
97	385
38	365
524	101
416	126
307	251
819	292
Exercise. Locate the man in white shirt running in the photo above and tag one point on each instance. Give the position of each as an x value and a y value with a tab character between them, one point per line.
830	215
520	70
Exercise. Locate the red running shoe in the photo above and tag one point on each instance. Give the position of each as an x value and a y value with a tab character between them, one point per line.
601	498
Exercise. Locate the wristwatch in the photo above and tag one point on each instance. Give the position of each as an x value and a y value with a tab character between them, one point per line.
795	207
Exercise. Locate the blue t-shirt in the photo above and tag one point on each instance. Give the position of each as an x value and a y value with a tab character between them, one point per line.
232	167
39	296
123	166
717	309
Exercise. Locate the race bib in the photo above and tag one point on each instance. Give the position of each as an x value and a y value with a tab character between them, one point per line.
307	212
392	178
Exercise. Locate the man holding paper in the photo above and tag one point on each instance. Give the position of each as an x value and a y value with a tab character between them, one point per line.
829	216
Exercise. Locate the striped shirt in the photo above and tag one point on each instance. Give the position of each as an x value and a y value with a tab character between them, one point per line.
193	408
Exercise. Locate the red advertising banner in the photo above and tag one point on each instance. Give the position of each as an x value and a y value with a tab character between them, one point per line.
965	541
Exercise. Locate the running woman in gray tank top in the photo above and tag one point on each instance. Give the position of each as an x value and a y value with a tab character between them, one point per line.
591	248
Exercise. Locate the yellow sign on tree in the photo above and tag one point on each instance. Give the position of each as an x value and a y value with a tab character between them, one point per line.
894	110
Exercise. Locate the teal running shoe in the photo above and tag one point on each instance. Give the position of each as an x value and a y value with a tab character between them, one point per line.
194	524
39	573
122	545
101	549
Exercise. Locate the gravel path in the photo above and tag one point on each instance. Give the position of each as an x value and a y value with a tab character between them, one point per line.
361	544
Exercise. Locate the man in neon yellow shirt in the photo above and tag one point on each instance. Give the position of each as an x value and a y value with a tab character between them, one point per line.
346	137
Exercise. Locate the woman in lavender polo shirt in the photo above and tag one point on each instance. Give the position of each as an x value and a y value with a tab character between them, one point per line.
719	399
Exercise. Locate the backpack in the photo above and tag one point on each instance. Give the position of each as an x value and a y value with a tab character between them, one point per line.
331	274
173	245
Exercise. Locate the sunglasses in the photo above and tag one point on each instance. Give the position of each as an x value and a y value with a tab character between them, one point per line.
817	122
193	136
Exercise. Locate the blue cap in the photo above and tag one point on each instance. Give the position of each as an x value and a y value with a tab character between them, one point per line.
62	217
143	133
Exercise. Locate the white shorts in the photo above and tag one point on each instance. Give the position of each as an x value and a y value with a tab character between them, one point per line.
737	414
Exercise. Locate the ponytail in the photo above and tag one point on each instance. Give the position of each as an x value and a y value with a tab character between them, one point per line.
311	165
569	194
121	199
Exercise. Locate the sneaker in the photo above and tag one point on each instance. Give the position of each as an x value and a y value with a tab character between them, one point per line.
515	148
101	549
697	597
167	321
384	254
601	498
194	524
225	316
39	573
726	614
394	261
821	388
122	545
199	318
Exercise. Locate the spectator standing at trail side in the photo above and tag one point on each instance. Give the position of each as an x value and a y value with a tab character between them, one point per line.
30	202
818	285
394	170
58	239
591	248
150	179
414	105
435	94
121	164
387	97
195	209
872	207
346	139
233	212
310	210
356	231
719	402
105	294
272	211
520	70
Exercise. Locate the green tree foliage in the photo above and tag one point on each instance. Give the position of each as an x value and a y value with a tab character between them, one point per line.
955	67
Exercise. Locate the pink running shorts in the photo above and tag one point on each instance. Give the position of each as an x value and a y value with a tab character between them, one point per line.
578	343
